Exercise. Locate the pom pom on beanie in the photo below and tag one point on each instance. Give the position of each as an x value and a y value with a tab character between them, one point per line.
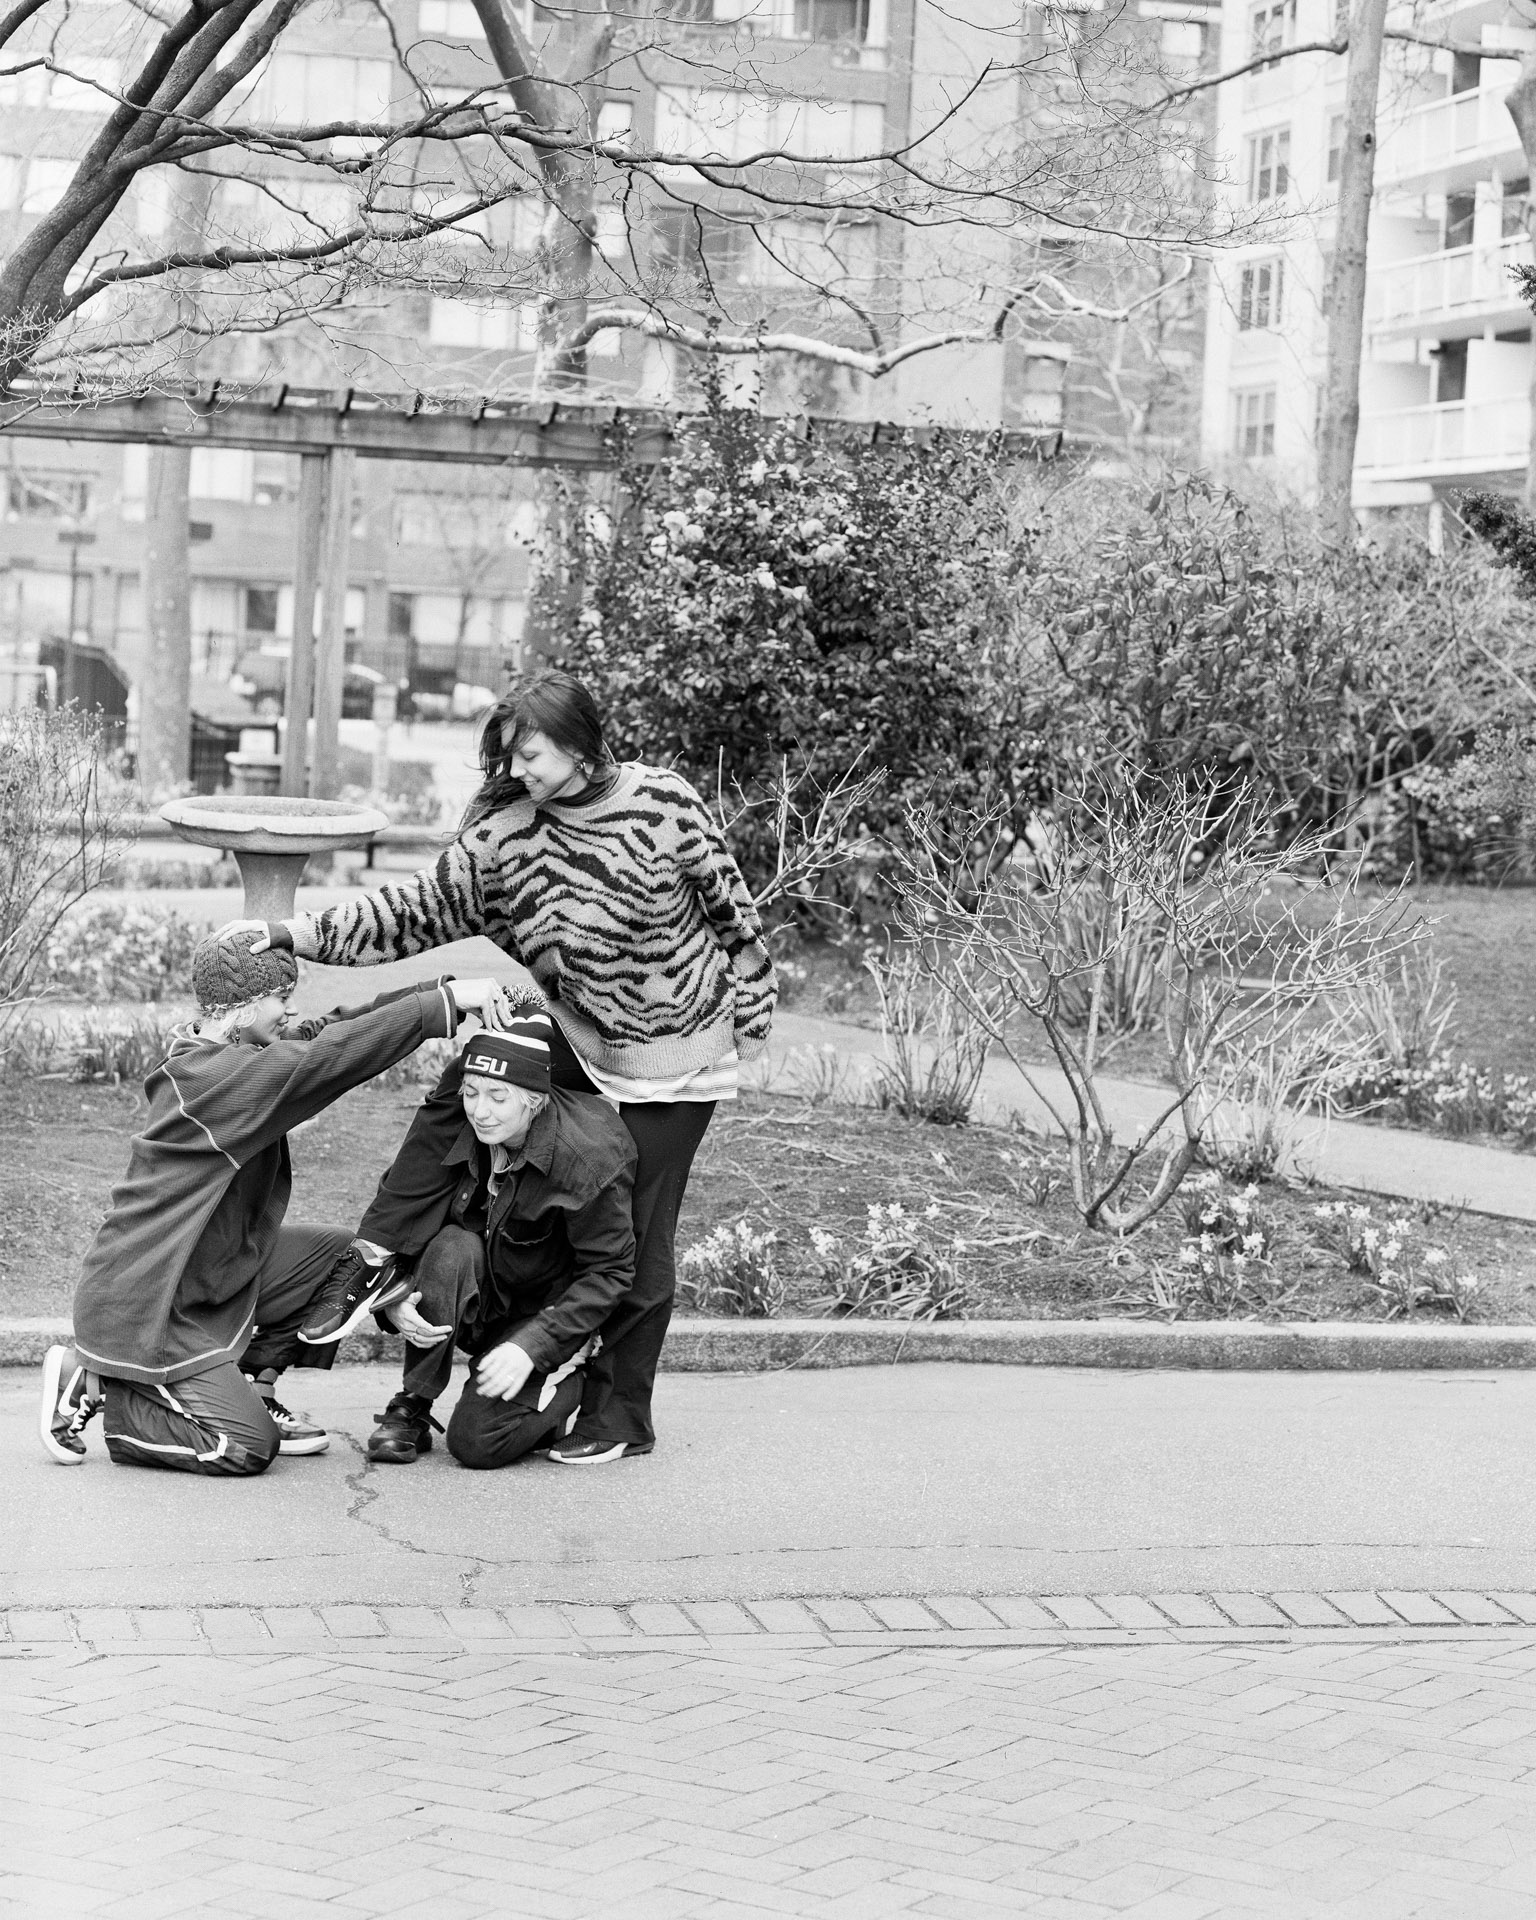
226	974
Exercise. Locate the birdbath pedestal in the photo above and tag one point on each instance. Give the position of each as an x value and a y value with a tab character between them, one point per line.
271	836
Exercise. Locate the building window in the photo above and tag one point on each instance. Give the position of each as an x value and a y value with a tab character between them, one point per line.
1335	146
1269	164
48	496
1274	26
708	123
1514	210
455	323
1259	295
451	16
1253	423
1181	43
832	20
1460	217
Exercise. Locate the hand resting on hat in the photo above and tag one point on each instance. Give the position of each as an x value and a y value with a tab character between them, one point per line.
487	998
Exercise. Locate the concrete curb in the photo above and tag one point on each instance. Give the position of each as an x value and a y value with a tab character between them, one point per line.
762	1346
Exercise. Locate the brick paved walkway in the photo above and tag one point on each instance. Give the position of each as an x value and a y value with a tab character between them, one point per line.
720	1762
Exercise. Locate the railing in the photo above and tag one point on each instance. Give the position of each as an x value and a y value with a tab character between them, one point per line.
1443	284
1459	436
1463	126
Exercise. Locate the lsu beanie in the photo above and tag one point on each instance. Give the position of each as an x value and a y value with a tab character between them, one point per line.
518	1056
226	974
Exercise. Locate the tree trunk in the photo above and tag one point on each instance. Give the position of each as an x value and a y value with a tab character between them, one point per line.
165	682
1521	102
1340	424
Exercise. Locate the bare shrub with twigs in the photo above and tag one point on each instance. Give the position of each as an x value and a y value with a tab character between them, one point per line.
935	1051
56	819
1204	870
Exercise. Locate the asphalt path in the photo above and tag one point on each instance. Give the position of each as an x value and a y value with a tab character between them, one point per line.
911	1479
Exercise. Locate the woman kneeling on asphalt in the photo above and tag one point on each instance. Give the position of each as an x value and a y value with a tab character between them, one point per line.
194	1290
537	1249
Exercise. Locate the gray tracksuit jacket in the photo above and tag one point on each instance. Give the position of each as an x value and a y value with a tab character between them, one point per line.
169	1285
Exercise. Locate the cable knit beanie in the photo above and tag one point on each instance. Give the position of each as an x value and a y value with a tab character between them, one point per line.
226	974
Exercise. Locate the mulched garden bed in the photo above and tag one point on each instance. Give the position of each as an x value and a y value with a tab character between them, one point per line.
785	1166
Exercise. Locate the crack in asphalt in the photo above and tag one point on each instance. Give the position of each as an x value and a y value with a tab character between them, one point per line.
363	1497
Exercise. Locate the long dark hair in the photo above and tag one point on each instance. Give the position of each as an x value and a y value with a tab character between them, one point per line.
549	702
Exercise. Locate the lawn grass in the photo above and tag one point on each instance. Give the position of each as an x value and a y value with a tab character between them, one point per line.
770	1158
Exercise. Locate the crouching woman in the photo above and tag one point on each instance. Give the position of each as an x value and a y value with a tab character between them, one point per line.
536	1249
195	1289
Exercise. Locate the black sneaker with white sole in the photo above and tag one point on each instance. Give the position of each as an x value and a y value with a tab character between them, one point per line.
297	1433
71	1398
596	1453
353	1289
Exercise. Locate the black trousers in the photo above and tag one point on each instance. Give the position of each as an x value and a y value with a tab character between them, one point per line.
215	1422
412	1202
482	1432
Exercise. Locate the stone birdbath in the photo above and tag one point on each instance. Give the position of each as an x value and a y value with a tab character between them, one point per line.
271	836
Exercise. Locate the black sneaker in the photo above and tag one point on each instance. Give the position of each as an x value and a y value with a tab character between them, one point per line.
596	1453
353	1289
71	1397
297	1433
404	1431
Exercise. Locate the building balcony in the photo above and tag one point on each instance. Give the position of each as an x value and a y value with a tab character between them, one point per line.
1462	440
1449	144
1445	296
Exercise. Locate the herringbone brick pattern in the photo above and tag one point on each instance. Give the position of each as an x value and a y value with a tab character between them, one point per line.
748	1774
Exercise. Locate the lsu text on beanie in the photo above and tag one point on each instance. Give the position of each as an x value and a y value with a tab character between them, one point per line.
518	1056
226	974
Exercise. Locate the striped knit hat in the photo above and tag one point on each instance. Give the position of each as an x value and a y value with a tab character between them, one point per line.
226	974
517	1057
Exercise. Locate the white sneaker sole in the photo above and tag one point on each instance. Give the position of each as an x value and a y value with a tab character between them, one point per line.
616	1452
53	1374
311	1443
385	1297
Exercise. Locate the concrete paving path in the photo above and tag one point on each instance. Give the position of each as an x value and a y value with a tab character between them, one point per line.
934	1641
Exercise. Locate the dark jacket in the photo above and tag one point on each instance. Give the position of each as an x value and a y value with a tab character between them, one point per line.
559	1235
169	1285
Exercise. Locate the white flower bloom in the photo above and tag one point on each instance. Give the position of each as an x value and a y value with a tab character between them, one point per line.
757	473
764	578
1435	1257
704	499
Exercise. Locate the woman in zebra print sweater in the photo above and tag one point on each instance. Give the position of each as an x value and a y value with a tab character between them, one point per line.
613	885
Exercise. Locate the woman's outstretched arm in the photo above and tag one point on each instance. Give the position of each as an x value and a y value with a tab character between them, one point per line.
437	905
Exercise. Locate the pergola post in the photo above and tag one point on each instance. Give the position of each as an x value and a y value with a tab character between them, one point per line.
314	485
331	643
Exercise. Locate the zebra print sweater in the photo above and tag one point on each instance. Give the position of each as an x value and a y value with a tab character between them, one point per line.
627	909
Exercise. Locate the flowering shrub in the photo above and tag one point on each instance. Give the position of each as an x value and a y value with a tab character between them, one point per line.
1225	1263
1400	1268
903	1269
1448	1095
118	952
763	597
734	1270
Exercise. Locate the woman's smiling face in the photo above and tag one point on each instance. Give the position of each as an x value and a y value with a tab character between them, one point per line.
546	771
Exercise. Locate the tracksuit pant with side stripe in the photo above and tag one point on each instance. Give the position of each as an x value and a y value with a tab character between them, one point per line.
216	1422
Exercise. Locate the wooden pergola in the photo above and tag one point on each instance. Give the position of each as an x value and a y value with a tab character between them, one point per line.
329	429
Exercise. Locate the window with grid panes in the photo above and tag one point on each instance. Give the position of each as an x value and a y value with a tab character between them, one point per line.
1274	26
1269	164
1253	423
1259	294
1335	146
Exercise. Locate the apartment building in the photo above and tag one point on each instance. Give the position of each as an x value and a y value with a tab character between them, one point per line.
1447	352
440	557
